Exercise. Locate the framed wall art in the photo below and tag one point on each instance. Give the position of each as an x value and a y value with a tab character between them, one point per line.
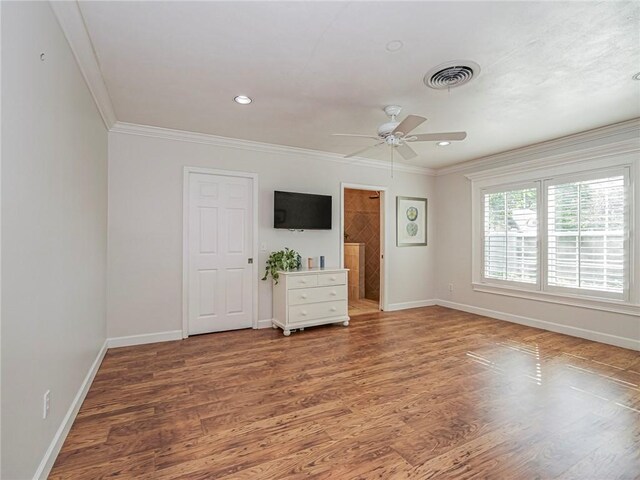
411	221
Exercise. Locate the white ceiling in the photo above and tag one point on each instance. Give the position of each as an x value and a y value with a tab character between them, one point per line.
549	69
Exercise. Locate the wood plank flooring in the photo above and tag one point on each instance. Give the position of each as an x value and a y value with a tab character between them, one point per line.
363	305
420	394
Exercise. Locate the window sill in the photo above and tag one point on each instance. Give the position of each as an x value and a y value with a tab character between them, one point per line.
605	305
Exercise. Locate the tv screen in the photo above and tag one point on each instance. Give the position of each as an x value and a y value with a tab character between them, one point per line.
301	211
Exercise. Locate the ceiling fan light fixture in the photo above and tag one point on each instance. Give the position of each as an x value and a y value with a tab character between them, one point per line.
243	100
443	144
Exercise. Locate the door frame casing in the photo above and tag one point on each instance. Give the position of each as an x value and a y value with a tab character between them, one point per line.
384	203
185	239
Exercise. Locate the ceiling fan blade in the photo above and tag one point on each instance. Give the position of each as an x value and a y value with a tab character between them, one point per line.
438	137
354	135
409	123
406	151
354	154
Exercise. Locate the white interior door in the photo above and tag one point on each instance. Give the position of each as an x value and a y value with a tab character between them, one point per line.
220	250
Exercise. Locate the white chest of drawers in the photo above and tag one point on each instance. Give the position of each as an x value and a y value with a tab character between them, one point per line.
304	298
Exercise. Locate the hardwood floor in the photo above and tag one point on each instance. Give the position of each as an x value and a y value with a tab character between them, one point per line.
363	305
423	393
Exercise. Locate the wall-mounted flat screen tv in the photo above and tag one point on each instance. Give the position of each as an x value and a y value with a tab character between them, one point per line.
301	211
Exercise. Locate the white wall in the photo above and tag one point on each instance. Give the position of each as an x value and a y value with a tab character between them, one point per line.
145	224
54	229
454	263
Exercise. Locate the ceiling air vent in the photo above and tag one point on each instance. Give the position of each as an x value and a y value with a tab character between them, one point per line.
451	74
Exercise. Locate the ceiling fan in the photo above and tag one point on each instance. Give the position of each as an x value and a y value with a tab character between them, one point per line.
396	134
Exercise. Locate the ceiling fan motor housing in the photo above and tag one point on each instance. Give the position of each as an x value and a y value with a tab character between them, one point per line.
385	129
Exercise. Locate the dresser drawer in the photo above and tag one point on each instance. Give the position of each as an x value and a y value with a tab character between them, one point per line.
302	281
313	311
332	278
301	296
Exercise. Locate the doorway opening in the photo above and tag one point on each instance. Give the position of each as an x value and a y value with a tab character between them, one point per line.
363	247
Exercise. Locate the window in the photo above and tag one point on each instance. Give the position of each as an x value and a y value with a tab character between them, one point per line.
511	235
587	229
563	235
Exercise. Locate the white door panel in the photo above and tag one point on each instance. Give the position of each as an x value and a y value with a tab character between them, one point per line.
207	280
235	291
208	227
235	230
220	245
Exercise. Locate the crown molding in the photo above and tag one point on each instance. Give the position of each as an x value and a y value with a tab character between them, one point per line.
628	146
72	23
226	142
625	135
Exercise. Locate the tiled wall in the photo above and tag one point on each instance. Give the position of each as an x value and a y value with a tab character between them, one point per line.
362	225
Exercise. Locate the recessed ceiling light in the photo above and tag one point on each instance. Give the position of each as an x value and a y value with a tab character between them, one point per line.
636	76
443	144
394	45
242	100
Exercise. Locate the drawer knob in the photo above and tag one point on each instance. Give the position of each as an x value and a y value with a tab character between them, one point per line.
303	313
333	309
303	296
333	294
333	279
303	281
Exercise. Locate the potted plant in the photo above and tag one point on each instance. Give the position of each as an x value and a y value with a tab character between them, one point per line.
285	260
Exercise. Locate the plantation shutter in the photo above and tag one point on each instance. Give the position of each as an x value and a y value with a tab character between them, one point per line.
510	226
587	232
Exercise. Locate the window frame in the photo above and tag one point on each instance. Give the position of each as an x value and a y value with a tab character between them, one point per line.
573	168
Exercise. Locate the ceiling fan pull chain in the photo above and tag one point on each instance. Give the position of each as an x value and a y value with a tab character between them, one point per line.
392	161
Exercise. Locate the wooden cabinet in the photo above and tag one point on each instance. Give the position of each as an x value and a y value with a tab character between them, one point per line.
305	298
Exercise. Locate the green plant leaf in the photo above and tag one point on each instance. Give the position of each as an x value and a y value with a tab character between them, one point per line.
284	260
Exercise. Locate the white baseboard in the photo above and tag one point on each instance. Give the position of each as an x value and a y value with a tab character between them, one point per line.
624	342
265	323
58	439
130	340
392	307
56	444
